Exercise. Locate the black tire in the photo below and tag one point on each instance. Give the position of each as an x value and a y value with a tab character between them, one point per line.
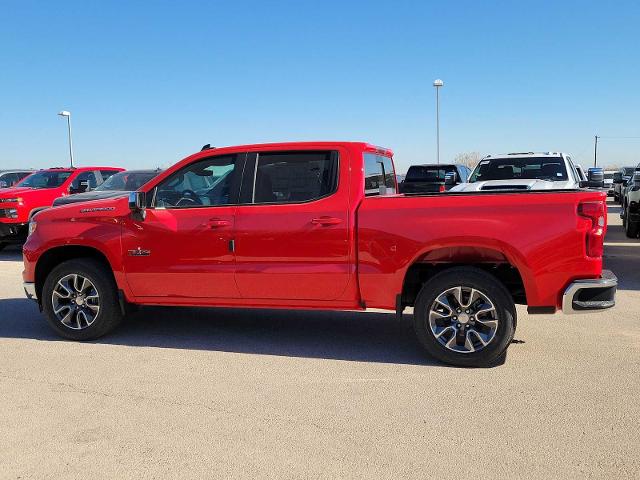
631	229
109	315
490	287
2	245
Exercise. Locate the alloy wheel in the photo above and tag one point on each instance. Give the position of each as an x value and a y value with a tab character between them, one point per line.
75	301
463	319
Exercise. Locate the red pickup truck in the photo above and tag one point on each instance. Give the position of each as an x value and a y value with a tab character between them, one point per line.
38	191
320	226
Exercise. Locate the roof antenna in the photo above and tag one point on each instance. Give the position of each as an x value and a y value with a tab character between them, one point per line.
206	147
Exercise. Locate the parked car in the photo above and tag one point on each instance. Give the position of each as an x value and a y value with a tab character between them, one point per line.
38	191
523	171
609	186
630	211
117	185
319	225
620	179
8	178
432	178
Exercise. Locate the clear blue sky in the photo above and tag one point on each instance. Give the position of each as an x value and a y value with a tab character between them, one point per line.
149	82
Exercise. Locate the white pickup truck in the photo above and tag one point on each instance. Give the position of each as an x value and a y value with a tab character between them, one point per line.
523	171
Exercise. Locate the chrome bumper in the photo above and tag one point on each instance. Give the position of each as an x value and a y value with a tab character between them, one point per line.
590	295
30	291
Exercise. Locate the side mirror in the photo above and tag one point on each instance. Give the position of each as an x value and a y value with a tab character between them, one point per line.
137	201
595	177
450	179
617	177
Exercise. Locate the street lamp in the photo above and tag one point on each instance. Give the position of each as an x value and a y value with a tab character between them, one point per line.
67	114
438	83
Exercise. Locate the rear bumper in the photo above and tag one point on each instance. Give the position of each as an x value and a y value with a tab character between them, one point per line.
589	295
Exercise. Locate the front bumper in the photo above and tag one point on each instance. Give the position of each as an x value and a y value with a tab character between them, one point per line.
30	291
590	295
13	232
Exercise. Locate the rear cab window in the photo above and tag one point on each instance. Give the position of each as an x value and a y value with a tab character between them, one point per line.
379	175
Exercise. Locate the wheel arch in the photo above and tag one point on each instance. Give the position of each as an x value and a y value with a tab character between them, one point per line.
507	266
57	255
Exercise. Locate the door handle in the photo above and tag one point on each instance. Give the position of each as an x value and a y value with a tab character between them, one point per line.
326	221
218	223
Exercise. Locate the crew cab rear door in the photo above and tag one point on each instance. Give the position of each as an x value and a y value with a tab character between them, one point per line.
184	246
292	226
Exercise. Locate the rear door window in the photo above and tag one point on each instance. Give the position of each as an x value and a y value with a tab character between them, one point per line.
379	176
295	177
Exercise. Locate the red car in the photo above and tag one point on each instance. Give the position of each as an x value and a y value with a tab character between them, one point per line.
320	226
38	191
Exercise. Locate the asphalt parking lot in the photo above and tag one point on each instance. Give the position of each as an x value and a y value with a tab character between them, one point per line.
195	393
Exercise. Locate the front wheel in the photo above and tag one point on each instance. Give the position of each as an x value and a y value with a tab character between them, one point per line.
465	316
80	300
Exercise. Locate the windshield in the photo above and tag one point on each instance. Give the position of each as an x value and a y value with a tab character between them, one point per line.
420	173
530	168
126	181
628	171
46	179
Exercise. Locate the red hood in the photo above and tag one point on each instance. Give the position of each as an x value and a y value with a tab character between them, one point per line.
15	191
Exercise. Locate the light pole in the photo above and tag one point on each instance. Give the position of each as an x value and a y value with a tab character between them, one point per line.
67	114
438	83
595	152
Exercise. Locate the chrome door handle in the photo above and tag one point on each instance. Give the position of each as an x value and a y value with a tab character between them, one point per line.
326	221
218	223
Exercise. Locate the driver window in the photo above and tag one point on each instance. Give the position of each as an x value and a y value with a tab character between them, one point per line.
204	183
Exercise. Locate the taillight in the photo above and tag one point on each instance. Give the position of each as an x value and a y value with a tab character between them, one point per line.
594	211
441	188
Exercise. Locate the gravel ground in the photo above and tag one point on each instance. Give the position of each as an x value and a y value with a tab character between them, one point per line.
193	393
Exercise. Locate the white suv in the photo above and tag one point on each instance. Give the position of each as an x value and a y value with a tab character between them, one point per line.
523	171
630	211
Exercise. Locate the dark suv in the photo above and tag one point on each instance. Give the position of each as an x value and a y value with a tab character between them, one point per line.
431	178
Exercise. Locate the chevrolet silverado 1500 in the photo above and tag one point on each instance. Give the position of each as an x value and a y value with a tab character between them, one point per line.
319	225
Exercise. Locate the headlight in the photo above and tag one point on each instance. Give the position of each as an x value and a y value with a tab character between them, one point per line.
11	200
11	213
32	227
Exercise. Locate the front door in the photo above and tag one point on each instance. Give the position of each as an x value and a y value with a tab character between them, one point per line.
292	231
183	248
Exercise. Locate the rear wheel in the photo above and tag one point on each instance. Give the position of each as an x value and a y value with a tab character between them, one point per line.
465	316
80	300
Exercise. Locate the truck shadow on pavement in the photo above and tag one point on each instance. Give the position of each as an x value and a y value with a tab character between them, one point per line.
349	336
12	253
